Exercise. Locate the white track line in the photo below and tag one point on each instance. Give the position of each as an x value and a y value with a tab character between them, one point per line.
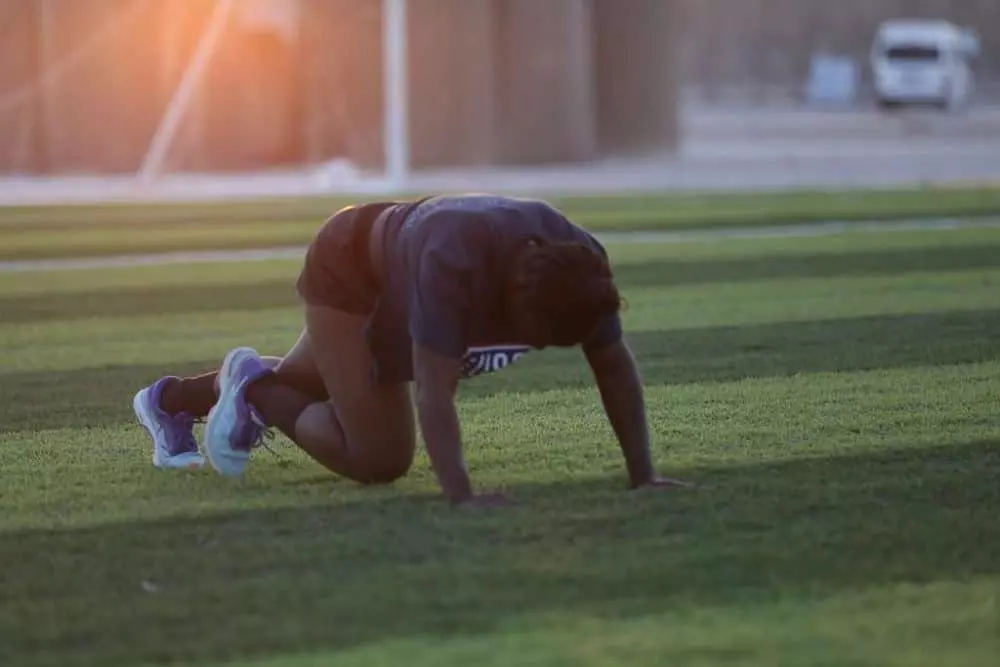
665	236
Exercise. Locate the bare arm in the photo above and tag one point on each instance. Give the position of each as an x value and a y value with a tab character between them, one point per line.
620	386
437	379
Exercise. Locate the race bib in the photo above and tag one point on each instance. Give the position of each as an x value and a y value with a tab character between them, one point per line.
483	360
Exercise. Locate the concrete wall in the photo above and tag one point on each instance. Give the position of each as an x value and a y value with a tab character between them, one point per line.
453	106
545	81
81	92
499	81
20	133
341	63
636	74
492	82
495	81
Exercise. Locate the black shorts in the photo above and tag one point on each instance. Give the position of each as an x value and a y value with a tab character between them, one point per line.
338	272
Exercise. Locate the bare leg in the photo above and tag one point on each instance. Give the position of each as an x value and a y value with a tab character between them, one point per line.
169	407
365	431
195	395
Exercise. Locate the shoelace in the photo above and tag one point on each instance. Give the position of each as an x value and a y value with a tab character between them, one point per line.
264	439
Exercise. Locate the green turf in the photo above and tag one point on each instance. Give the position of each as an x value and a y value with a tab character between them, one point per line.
836	399
72	231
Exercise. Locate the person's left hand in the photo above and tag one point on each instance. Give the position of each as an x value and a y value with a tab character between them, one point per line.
664	483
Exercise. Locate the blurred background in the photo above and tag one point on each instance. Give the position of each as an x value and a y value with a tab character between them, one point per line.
656	93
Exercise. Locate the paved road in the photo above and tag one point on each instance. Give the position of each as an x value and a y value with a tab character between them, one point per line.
678	236
722	149
703	123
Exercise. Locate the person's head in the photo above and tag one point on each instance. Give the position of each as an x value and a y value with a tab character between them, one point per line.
558	293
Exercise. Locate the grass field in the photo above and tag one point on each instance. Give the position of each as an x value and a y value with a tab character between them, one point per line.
837	399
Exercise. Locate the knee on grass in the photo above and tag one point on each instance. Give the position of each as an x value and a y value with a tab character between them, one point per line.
367	469
370	460
383	472
377	463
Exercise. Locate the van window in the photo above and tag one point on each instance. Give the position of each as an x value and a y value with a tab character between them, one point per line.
913	53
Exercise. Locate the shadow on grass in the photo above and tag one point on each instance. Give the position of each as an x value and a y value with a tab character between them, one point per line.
263	583
133	301
96	397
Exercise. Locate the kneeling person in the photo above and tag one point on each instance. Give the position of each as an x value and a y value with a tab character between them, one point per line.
426	292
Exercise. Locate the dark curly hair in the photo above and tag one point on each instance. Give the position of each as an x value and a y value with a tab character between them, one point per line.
562	291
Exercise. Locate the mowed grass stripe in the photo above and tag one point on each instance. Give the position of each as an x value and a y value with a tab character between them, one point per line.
129	302
178	275
101	396
176	339
711	250
54	345
682	205
76	243
280	292
83	231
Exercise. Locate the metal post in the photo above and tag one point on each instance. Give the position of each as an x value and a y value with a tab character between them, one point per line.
46	134
396	95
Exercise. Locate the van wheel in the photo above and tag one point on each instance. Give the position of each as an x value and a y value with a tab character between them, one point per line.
887	105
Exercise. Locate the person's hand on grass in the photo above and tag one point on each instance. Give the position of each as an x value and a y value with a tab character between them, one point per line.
487	500
664	483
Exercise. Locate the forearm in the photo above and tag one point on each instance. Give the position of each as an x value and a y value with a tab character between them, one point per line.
627	414
442	434
621	392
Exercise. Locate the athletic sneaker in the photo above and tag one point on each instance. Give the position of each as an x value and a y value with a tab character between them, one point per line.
174	445
234	426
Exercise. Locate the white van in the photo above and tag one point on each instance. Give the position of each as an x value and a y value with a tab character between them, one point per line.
923	62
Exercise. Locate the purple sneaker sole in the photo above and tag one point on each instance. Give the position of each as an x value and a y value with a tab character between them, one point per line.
174	445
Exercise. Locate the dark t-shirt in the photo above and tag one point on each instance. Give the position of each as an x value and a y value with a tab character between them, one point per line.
446	266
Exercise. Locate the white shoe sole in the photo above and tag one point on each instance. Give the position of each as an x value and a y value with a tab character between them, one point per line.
224	459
